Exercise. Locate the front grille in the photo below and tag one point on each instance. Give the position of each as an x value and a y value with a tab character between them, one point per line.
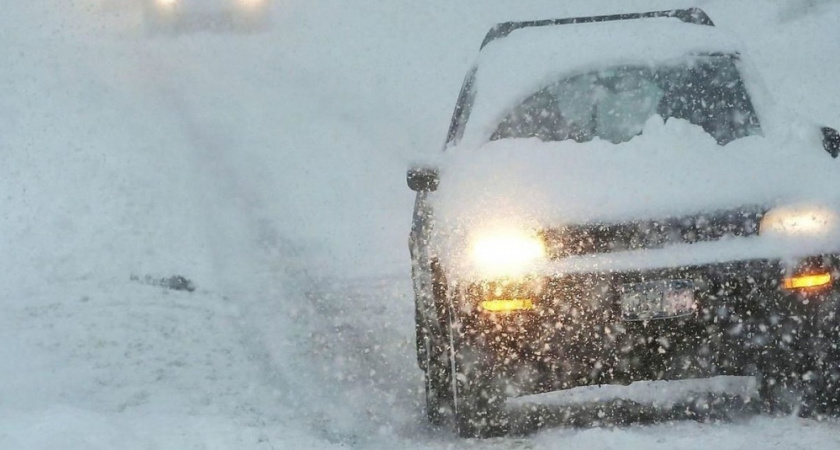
649	234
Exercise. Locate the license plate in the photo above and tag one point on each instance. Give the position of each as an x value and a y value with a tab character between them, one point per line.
661	299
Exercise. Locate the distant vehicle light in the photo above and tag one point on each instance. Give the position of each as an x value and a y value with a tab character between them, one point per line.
167	3
251	4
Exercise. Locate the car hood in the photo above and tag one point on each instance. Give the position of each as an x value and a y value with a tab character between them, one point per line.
671	169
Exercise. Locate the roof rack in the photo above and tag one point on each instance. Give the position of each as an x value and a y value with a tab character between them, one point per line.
690	15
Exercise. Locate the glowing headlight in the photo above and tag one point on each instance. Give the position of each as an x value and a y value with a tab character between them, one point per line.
506	253
166	3
802	220
251	4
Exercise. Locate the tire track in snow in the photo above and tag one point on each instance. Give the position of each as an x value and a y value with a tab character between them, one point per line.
293	323
253	264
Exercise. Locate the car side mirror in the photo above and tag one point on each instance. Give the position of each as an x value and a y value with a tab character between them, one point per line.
831	141
422	179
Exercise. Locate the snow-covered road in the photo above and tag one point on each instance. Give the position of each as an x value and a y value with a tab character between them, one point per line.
269	168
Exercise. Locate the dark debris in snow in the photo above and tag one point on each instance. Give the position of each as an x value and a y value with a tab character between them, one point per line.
174	282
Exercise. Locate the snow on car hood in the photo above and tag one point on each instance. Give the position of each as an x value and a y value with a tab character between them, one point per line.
673	168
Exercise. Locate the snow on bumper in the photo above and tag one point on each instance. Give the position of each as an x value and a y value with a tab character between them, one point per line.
574	333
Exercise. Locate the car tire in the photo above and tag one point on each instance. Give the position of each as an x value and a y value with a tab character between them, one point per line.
477	393
777	395
825	399
420	340
437	376
780	369
822	391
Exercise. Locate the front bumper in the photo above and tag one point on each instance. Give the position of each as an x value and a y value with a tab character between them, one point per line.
575	334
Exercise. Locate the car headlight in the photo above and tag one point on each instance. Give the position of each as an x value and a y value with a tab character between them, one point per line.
799	221
251	4
166	4
505	252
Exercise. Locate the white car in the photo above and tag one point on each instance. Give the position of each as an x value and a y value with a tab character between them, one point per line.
619	199
170	16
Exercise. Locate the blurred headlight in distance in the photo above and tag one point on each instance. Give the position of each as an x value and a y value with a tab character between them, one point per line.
506	253
166	3
251	4
802	220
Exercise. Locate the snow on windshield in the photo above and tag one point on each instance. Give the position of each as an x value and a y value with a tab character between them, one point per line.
615	103
515	67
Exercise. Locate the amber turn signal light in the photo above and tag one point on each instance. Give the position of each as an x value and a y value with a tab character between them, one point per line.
507	305
808	281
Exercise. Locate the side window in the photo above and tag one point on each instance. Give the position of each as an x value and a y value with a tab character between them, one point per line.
462	109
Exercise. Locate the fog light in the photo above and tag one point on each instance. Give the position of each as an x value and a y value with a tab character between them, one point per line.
808	281
507	305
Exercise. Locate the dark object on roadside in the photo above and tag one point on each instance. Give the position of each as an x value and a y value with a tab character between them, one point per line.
831	141
175	282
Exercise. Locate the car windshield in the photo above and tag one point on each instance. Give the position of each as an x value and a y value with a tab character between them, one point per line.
615	103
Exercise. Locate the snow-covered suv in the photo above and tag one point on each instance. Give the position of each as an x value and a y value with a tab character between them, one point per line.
618	200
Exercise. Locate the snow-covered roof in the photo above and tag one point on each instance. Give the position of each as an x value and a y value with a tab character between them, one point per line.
512	68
